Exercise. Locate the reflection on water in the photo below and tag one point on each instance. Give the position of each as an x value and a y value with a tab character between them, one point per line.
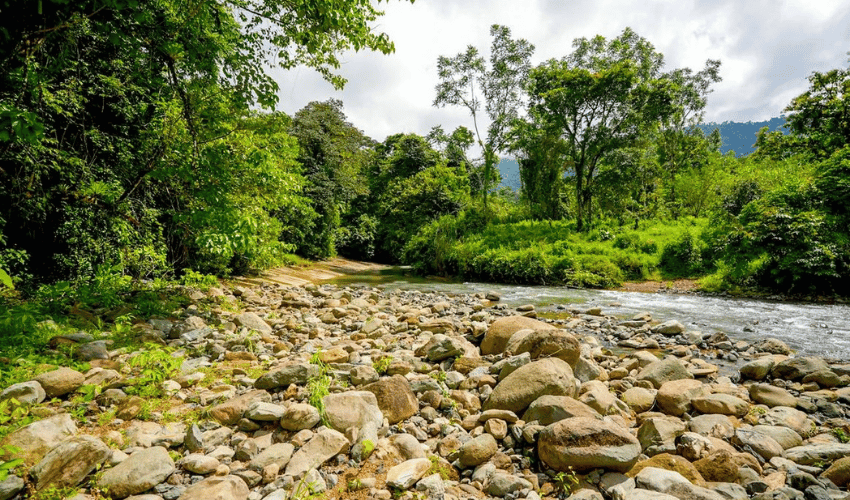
809	329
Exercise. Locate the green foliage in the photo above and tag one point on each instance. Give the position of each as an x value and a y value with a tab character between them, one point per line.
152	367
565	481
13	416
382	364
7	466
466	76
319	386
198	280
683	256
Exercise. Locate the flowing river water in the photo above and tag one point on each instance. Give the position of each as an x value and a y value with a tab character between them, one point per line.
821	330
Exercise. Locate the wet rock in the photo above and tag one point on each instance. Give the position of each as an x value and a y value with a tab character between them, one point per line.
546	377
143	470
585	443
70	462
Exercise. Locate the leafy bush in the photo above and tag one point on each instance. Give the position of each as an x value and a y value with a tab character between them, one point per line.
683	256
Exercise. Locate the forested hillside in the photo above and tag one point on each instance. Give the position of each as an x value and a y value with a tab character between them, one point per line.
740	137
137	141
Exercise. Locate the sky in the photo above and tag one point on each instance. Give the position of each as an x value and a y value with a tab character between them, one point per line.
767	50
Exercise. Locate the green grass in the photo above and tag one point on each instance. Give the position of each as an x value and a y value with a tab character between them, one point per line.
552	252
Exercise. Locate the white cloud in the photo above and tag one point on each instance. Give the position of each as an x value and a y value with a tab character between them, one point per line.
767	49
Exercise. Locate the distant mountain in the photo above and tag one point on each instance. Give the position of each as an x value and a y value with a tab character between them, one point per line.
509	170
737	136
740	136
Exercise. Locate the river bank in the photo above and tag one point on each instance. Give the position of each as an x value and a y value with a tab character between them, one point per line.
355	392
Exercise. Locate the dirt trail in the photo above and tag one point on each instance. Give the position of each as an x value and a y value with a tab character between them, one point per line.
315	272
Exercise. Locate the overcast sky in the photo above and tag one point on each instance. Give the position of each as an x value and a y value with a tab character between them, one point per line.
767	49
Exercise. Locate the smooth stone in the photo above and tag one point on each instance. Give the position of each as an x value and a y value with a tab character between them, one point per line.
324	445
407	473
217	488
664	370
140	472
37	438
500	331
300	416
352	409
60	381
545	377
584	443
395	398
27	393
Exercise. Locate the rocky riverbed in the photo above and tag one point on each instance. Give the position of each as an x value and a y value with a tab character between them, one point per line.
335	392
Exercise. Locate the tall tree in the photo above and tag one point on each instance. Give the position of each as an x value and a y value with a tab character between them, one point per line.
334	155
113	113
465	79
601	98
821	115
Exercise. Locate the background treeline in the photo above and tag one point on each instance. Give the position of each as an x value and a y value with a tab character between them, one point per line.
131	144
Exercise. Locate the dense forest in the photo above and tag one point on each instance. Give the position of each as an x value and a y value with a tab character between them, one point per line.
138	139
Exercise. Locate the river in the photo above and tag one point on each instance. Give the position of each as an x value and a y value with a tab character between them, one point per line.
810	329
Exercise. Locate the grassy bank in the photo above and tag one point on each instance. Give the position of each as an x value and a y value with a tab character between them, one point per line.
552	252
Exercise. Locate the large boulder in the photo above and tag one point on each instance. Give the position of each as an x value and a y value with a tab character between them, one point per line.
61	381
545	377
500	331
771	395
810	454
550	343
324	445
352	409
550	409
229	412
70	462
37	438
28	393
395	398
785	416
797	368
583	444
839	472
658	435
252	322
674	397
141	471
723	404
664	370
